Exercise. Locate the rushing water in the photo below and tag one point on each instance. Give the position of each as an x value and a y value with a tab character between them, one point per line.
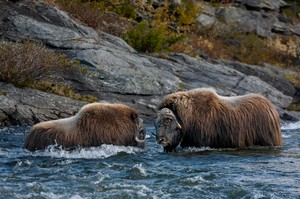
127	172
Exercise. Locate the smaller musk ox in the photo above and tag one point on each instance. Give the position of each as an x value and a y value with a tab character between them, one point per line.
93	125
201	117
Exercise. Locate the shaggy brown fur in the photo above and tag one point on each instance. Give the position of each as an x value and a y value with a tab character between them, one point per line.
207	119
93	125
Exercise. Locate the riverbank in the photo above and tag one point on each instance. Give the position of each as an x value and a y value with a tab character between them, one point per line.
117	73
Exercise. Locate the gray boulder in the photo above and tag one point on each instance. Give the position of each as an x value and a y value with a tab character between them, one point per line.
264	74
27	106
263	4
259	22
263	17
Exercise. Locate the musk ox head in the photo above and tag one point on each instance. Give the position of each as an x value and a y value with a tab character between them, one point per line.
168	130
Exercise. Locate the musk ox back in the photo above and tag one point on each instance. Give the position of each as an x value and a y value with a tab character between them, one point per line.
93	125
201	117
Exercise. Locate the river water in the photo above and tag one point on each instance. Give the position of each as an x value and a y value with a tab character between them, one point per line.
127	172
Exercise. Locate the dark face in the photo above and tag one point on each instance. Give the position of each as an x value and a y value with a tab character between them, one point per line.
168	130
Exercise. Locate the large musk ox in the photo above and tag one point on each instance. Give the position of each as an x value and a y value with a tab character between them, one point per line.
201	117
93	125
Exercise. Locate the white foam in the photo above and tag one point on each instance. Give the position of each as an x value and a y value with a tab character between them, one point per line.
76	197
23	163
141	169
285	136
199	149
141	190
101	152
48	195
3	129
101	178
196	179
291	126
2	153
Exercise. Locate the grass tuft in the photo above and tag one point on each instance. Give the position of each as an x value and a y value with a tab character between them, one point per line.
31	65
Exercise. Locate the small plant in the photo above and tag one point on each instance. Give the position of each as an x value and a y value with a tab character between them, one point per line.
89	12
187	12
98	14
145	38
181	86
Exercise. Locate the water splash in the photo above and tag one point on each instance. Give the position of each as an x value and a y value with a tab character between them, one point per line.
199	149
101	152
141	169
291	126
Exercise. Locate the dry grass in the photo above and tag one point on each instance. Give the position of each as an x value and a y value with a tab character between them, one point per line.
61	90
24	63
283	51
99	15
32	65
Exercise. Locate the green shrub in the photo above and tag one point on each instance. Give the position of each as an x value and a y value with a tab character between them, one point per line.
126	10
187	12
145	38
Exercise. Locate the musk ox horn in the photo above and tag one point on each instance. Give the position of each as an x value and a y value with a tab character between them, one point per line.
141	132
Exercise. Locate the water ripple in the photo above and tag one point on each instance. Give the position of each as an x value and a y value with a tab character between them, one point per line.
128	172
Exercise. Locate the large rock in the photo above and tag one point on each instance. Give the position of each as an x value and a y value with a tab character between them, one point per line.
226	80
117	73
27	106
263	17
264	74
263	4
259	22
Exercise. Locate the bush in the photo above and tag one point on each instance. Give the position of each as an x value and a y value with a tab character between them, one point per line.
24	63
32	65
187	12
145	38
97	14
88	12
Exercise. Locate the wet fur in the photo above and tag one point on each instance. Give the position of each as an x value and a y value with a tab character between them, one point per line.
208	119
93	125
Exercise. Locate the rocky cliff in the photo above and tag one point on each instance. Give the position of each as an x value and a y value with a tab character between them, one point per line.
117	73
263	17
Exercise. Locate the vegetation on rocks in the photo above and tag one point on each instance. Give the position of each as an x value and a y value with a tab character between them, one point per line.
33	65
171	27
293	10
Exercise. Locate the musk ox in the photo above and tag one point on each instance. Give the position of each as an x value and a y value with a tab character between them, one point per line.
201	117
93	125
